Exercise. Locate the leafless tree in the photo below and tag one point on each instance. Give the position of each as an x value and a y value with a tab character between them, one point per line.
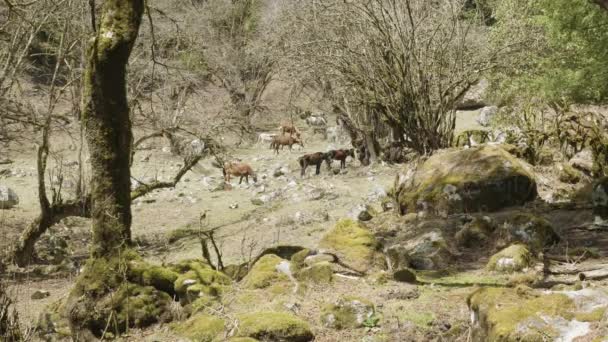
396	67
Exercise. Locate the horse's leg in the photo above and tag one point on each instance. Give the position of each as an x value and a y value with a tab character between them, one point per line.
247	178
318	170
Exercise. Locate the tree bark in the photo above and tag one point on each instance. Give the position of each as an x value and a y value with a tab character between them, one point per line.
603	4
108	126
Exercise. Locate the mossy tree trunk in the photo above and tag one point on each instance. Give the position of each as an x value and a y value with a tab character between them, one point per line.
107	123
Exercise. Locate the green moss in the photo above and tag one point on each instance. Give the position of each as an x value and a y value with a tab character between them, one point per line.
568	174
534	231
138	306
347	312
594	316
353	243
502	310
197	279
475	179
264	273
242	339
159	277
201	328
421	319
297	260
319	273
122	290
511	259
475	232
181	233
236	272
273	326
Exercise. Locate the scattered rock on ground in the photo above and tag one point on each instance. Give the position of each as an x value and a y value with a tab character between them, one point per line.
599	198
348	312
427	251
534	231
354	244
404	275
40	294
200	328
475	232
486	114
264	273
274	326
583	161
8	197
511	259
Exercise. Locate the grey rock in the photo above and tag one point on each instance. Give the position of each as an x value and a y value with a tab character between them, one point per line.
8	198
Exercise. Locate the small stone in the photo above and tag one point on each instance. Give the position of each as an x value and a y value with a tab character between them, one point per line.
233	206
405	275
40	294
8	198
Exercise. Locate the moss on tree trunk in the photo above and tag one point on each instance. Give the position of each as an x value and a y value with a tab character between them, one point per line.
107	123
109	137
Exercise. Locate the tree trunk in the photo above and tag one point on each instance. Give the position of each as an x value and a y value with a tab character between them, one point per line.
108	126
603	3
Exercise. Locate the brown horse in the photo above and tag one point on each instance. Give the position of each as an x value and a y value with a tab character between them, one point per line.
341	155
291	129
316	159
238	170
281	141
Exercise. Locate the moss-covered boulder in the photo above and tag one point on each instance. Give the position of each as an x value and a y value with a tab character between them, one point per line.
273	326
102	293
354	244
427	251
159	277
265	273
405	275
201	328
51	323
348	312
475	232
298	259
523	314
534	231
511	259
483	178
197	279
319	273
569	174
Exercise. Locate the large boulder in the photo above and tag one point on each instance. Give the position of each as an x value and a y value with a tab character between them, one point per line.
349	312
354	244
8	198
475	97
523	314
273	326
484	178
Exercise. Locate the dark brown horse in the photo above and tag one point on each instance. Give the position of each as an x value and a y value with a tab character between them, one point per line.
316	159
341	155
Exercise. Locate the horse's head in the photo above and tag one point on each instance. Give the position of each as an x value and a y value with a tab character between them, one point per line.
350	152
